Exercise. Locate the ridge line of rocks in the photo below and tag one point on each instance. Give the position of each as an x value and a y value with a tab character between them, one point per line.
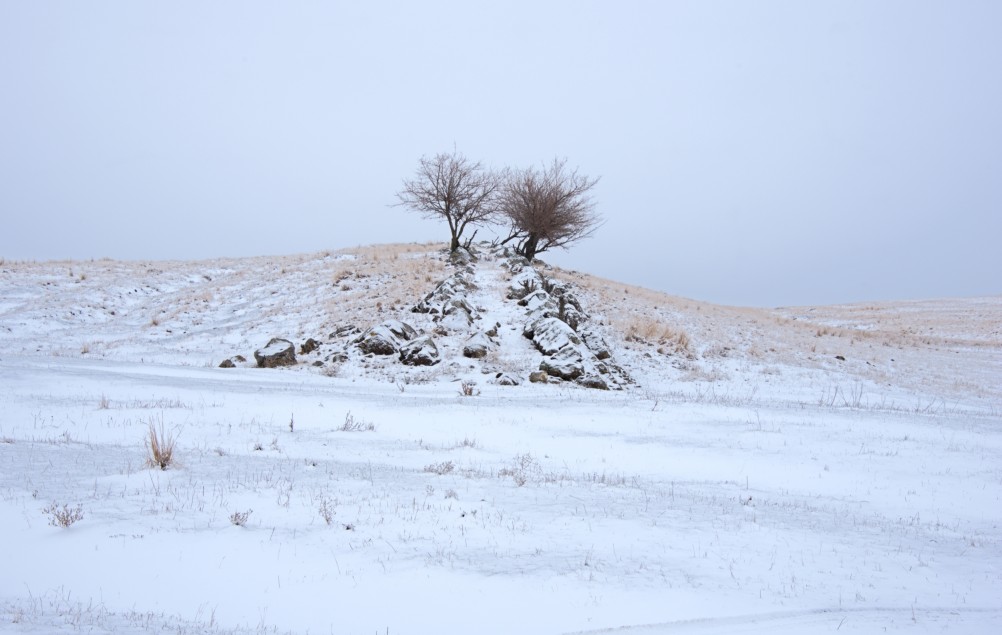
555	321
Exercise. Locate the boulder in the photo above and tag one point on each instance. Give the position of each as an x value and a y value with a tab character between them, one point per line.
596	344
525	281
539	377
477	346
593	381
278	352
567	363
345	330
551	335
420	352
227	363
455	286
538	300
386	338
504	379
309	346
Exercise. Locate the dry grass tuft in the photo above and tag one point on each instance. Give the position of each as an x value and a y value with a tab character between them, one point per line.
351	424
63	516
240	518
440	468
669	340
159	447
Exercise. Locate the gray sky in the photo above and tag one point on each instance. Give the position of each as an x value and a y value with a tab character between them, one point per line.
751	153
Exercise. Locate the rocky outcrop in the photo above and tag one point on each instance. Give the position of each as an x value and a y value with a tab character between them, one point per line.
278	352
556	324
547	311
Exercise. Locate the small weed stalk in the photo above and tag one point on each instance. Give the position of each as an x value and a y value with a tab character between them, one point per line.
326	510
63	516
159	447
240	518
351	424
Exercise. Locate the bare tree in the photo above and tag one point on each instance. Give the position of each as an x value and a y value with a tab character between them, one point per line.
452	187
547	208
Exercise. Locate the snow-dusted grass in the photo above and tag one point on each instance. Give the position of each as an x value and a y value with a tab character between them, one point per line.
744	488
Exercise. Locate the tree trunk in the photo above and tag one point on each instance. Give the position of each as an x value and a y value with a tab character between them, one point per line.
454	245
529	248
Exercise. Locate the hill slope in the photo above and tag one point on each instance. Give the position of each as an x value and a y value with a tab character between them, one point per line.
799	470
904	354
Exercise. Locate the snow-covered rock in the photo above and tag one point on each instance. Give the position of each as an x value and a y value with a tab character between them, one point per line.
550	335
278	352
477	346
420	352
567	363
386	338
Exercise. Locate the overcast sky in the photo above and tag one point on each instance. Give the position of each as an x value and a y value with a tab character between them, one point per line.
753	153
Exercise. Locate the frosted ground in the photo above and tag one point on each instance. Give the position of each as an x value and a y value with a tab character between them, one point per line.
797	470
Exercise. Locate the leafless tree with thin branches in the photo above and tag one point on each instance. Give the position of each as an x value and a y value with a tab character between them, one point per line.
454	188
547	208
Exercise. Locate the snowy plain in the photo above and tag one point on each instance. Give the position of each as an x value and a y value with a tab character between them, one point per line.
795	470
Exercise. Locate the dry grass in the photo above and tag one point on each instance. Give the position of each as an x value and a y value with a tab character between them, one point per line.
63	516
440	468
160	446
351	424
240	518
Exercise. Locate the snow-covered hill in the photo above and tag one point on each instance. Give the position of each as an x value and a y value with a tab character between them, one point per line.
790	470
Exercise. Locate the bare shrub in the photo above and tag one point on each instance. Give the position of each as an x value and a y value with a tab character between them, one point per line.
440	468
159	446
467	442
103	403
548	208
524	468
326	510
240	518
63	516
351	424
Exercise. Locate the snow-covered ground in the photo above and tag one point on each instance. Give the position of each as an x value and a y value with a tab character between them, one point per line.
798	470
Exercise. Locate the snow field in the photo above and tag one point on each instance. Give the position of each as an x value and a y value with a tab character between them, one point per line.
799	470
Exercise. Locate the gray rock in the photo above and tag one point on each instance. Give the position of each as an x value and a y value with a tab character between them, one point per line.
227	363
593	381
567	363
345	330
477	346
504	379
596	344
420	352
386	338
278	352
551	335
309	346
455	286
539	377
